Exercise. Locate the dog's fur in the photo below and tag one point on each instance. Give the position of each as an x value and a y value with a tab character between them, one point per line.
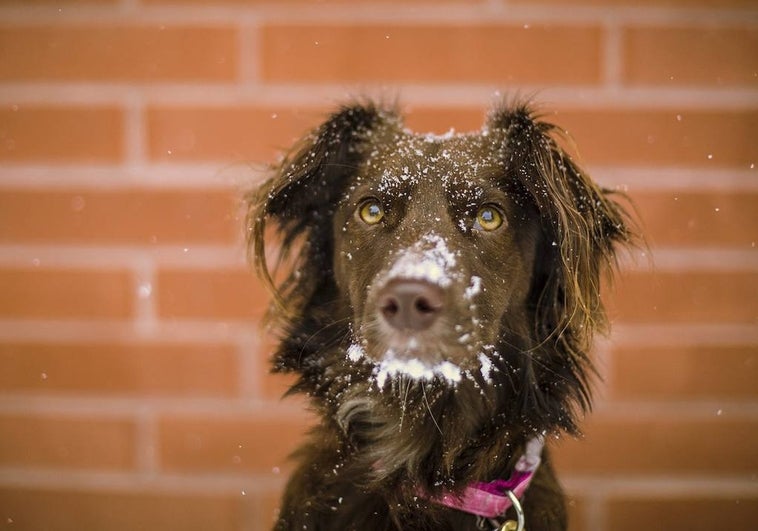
518	305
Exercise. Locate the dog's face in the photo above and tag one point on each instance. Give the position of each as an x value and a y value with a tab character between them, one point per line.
470	262
435	252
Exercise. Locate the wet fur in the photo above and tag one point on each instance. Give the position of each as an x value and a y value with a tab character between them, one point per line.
375	449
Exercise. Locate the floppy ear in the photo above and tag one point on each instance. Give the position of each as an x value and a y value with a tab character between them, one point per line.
581	226
301	196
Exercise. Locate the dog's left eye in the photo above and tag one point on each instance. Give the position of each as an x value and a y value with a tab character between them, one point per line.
489	218
371	211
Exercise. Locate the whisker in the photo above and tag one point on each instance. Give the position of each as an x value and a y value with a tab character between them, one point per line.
429	408
404	402
321	330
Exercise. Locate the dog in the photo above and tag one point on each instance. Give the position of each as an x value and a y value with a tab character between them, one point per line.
437	302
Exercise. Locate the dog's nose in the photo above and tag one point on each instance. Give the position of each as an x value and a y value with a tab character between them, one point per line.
411	304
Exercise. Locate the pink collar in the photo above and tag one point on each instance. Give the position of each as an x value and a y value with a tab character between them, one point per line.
491	500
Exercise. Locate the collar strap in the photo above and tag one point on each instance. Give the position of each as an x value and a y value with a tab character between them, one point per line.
491	500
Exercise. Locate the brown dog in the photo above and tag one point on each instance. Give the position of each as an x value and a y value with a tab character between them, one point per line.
443	297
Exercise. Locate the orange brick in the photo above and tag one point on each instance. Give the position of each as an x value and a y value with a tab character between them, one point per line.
218	294
640	137
659	446
300	2
643	137
76	510
115	369
690	56
271	507
58	134
427	53
576	508
684	372
57	3
65	293
644	3
695	297
234	134
686	218
692	514
118	53
633	137
121	217
81	443
243	444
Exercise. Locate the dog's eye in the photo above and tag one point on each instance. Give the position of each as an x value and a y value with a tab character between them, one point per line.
488	218
371	212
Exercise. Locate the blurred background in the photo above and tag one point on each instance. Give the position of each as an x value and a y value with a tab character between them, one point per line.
134	391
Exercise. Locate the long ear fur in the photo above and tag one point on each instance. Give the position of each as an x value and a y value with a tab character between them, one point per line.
300	199
581	226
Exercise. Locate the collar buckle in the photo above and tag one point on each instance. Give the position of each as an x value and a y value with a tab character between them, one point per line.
507	525
490	501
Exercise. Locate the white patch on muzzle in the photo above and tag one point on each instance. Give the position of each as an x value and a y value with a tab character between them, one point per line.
429	259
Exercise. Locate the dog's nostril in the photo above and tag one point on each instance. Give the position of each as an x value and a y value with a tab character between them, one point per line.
411	304
390	307
424	306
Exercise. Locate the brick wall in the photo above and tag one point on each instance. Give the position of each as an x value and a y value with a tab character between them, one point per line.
133	385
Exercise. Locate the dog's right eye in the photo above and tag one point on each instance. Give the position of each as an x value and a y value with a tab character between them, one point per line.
371	211
489	218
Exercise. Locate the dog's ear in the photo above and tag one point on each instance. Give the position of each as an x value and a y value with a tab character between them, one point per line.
304	189
582	225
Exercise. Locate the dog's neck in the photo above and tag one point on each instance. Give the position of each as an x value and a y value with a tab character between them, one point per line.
419	446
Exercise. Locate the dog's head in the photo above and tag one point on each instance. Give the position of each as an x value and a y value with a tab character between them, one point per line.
470	259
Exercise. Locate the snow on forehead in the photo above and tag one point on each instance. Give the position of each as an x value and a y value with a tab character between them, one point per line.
452	158
429	259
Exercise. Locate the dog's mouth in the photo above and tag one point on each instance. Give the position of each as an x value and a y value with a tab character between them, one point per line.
420	319
410	363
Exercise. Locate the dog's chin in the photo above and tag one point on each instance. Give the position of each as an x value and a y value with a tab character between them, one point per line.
409	346
403	356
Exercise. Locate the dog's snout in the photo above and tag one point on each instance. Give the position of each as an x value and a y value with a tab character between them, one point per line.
411	304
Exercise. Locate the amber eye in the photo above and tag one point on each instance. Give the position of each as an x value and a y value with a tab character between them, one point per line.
371	212
489	218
